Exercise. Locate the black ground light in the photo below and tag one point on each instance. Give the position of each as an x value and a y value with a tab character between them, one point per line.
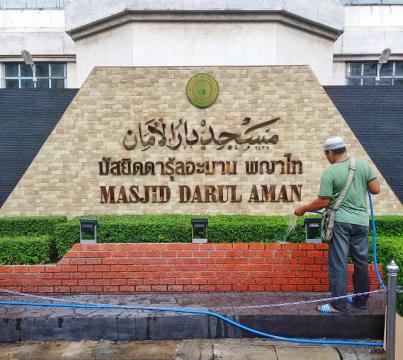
199	231
88	231
312	231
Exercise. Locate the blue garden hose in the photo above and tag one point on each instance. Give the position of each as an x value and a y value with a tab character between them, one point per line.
374	242
221	317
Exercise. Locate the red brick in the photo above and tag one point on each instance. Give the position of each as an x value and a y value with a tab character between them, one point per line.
290	260
69	268
240	287
77	262
93	275
29	289
306	260
316	254
272	288
85	268
233	253
62	289
159	288
85	282
52	268
62	275
296	281
45	289
175	287
240	246
166	254
256	246
298	254
118	267
134	281
36	268
107	289
223	288
321	260
120	282
78	275
207	288
306	246
69	282
313	268
127	288
191	288
184	253
102	268
78	289
50	282
124	261
183	281
268	253
111	261
263	281
102	281
201	253
110	275
21	268
312	281
288	287
256	287
93	261
271	246
279	281
134	267
152	253
321	247
143	288
94	289
289	246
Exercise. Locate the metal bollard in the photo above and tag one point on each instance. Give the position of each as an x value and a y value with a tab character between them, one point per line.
392	269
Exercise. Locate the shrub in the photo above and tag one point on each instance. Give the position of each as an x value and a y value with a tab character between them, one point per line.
30	225
391	248
25	250
177	228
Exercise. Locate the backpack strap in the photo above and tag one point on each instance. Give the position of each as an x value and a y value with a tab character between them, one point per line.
351	173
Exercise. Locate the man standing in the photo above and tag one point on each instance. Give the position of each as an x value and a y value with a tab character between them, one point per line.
350	232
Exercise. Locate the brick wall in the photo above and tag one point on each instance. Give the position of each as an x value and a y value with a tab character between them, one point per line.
128	268
65	177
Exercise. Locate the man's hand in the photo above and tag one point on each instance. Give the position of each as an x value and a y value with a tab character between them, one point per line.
315	205
300	211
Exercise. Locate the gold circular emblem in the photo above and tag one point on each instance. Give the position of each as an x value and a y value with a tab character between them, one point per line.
202	90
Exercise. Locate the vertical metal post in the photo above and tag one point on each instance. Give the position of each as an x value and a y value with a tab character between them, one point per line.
392	269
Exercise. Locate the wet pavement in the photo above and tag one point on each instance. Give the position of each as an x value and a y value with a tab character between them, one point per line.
22	323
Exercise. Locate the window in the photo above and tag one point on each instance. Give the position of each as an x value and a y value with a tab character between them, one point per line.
49	76
33	4
364	73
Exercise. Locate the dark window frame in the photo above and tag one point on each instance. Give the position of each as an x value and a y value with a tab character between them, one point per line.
49	78
370	79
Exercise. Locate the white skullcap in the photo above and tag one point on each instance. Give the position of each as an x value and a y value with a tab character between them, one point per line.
334	143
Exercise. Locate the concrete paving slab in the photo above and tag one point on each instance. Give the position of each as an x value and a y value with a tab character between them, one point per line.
225	351
194	350
307	353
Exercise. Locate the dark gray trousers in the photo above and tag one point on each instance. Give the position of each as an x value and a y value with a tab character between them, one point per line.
354	239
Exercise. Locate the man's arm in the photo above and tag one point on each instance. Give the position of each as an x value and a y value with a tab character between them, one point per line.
374	187
314	205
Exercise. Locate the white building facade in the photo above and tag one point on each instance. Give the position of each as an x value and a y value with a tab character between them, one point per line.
341	40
